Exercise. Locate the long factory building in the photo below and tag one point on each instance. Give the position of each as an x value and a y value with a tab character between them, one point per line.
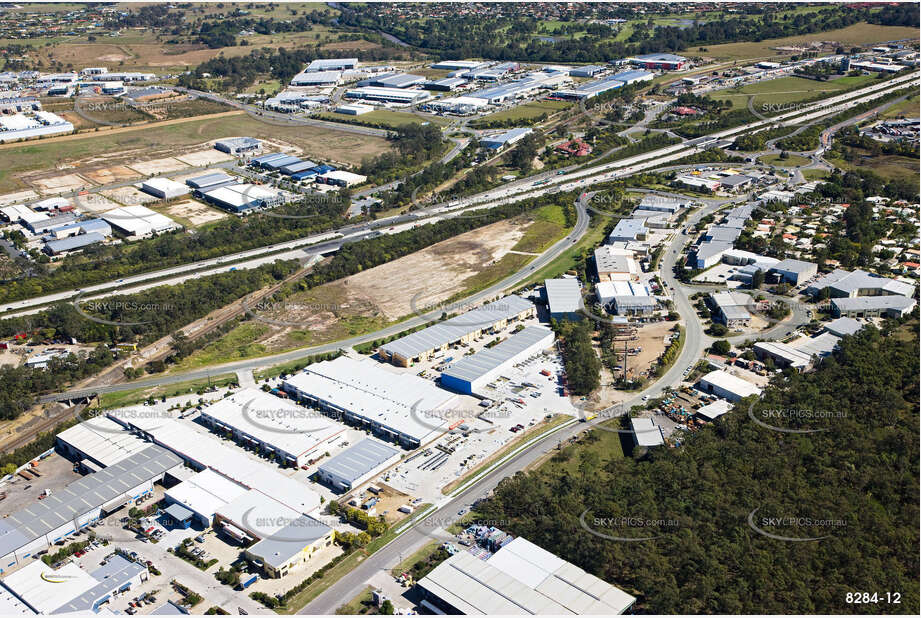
82	502
202	451
471	373
520	578
398	407
423	344
272	425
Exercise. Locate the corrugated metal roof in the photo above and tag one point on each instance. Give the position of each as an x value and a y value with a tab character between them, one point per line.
359	460
82	496
471	368
457	328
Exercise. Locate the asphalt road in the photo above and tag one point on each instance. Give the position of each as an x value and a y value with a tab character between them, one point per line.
545	258
431	527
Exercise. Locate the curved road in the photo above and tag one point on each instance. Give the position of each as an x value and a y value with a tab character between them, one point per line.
545	258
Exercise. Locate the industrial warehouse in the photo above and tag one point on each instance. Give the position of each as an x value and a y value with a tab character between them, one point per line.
360	462
471	373
82	502
396	406
201	451
422	344
519	578
271	424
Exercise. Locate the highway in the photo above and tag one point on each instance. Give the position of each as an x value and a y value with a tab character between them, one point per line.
533	186
539	262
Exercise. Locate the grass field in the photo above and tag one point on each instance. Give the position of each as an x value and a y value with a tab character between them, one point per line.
139	395
786	90
909	108
604	444
526	111
164	139
815	174
887	166
384	117
857	34
792	160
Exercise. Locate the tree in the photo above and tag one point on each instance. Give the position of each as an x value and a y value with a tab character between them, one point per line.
758	279
721	347
387	607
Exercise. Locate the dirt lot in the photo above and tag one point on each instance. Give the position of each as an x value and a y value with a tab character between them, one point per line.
435	273
390	291
52	185
194	212
651	339
129	196
56	473
109	175
204	157
15	198
126	146
95	202
388	500
158	166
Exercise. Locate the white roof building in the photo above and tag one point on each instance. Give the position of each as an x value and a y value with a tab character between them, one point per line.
203	451
139	221
274	424
724	384
399	406
520	578
164	188
205	494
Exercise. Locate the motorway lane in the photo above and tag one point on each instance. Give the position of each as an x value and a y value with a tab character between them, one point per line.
575	180
548	256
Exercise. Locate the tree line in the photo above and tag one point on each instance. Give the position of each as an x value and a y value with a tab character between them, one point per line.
862	470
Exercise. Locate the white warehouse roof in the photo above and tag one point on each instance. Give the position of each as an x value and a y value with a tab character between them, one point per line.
103	440
730	383
206	492
522	578
272	420
208	452
395	401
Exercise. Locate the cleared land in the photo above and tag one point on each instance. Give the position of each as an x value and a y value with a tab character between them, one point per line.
390	292
858	34
383	117
786	90
527	111
192	214
92	151
889	167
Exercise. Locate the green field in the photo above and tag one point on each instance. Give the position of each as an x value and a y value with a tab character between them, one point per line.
787	90
857	34
792	160
139	395
909	108
526	111
815	174
384	118
889	167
